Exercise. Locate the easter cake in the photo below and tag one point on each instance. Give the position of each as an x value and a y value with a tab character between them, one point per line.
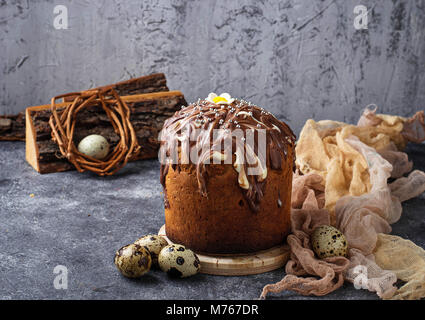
226	172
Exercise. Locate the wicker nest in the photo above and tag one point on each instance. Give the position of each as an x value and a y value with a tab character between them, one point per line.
62	123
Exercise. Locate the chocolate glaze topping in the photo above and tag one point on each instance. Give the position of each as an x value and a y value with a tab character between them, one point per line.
197	122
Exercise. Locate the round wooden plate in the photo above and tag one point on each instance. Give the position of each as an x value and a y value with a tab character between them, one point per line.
241	264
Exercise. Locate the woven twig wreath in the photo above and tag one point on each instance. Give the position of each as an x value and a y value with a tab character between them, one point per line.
62	123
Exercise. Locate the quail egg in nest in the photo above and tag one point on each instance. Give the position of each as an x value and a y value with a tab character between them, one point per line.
178	262
328	241
94	146
154	243
133	260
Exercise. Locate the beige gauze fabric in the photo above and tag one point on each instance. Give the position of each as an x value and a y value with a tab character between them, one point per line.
363	218
403	130
322	149
345	170
306	274
406	260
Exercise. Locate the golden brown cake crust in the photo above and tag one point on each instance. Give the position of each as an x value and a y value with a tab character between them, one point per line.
222	208
223	221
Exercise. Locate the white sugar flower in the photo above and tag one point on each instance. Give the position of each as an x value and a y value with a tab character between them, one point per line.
223	98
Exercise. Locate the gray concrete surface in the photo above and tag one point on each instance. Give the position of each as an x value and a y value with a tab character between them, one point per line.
300	58
80	220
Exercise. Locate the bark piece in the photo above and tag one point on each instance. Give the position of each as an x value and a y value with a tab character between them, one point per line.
148	113
12	128
152	83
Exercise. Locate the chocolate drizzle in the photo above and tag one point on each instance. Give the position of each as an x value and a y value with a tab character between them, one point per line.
192	131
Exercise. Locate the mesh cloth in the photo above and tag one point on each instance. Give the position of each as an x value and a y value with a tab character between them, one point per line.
346	169
306	215
406	260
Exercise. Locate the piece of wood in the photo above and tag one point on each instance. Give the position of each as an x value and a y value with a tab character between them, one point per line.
148	113
12	128
240	264
147	84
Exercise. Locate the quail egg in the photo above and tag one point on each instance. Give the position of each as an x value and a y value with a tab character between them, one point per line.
133	260
328	241
178	262
154	243
94	146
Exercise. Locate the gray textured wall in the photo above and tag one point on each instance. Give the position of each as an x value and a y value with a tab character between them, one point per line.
300	59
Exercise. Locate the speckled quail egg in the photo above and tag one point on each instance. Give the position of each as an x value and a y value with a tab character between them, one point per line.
133	261
328	241
178	262
155	244
94	146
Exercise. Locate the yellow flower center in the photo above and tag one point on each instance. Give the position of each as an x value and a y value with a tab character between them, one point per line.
218	99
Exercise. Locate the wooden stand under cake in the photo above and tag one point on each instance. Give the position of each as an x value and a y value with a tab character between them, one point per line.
241	264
